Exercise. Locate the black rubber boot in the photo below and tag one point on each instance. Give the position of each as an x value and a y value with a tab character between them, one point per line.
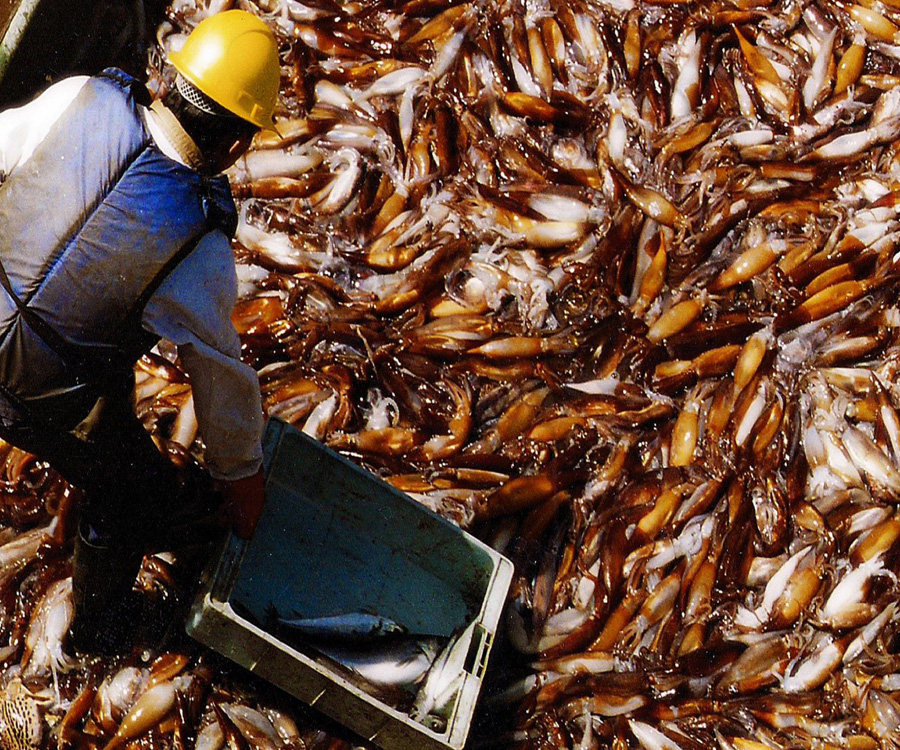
102	587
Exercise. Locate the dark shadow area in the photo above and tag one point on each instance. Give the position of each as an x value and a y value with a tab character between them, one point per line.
65	38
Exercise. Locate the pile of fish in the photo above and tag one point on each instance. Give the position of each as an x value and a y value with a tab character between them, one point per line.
612	285
407	671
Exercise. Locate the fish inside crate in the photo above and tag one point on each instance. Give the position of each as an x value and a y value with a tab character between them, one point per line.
357	600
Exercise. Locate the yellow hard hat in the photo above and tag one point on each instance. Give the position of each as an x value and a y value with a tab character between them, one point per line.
232	57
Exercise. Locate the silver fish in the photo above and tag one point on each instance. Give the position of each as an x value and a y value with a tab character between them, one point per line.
436	696
399	664
349	627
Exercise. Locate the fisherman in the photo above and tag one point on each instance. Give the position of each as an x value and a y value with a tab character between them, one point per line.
115	233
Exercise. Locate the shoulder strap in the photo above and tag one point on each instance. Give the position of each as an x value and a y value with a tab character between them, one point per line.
138	307
138	90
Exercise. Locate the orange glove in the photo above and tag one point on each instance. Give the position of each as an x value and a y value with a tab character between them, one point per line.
244	501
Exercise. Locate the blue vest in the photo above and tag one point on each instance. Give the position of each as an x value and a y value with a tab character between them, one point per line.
90	226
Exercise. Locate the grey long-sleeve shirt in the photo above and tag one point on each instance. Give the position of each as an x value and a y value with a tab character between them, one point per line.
191	308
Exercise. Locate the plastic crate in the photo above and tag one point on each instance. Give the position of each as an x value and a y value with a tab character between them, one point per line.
334	539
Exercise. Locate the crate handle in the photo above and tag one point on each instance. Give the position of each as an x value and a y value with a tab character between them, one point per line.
479	648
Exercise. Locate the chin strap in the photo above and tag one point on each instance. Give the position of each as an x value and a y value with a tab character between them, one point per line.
185	146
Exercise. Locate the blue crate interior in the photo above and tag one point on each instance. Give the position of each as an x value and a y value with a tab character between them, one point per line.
335	539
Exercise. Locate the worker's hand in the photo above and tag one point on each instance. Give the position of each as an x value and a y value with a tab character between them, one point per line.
244	501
